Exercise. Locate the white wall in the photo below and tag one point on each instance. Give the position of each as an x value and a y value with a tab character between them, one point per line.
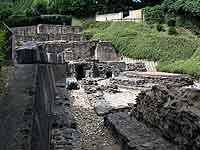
134	15
109	17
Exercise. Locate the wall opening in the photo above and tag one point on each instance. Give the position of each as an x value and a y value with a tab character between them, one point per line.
92	51
109	74
80	73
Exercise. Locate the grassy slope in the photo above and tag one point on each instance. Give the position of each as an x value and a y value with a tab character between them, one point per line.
21	6
180	54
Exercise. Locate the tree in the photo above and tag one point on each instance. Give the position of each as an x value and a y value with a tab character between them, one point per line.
5	13
41	7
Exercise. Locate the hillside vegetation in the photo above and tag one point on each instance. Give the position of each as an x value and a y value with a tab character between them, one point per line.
180	54
2	45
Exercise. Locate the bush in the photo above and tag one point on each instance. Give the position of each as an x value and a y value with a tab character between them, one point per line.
153	14
5	13
171	23
30	13
160	28
41	7
172	31
16	21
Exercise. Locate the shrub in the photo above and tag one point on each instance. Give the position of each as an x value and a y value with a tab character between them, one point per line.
30	13
171	23
40	7
172	31
5	13
87	35
160	28
153	14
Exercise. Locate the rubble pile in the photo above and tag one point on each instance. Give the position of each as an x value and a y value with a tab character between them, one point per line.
174	111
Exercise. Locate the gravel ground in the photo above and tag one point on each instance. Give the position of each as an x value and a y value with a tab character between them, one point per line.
94	136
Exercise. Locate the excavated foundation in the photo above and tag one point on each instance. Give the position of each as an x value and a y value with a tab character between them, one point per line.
68	93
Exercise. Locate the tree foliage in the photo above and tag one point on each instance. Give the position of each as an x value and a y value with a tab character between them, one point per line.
154	14
182	6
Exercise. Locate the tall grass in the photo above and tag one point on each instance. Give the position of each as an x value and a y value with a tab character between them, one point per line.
140	41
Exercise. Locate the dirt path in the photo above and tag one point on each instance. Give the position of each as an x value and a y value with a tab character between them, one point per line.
94	136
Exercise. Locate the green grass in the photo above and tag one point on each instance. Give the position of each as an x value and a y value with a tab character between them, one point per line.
178	54
21	6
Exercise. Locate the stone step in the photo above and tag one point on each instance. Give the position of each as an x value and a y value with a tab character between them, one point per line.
135	135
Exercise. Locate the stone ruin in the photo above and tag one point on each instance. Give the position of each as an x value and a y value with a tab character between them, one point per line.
144	110
174	111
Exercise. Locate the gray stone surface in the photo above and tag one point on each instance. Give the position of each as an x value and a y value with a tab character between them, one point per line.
135	135
16	110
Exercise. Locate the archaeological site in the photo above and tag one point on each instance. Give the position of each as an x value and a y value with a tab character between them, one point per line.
70	93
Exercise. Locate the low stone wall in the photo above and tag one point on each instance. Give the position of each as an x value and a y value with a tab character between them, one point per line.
137	66
113	67
155	78
64	133
175	111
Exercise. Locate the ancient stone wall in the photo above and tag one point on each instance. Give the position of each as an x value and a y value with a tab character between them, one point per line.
58	29
83	50
175	111
97	69
49	37
106	52
114	68
23	31
46	29
170	80
137	66
87	50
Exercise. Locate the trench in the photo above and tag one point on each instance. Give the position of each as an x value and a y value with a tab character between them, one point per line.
94	135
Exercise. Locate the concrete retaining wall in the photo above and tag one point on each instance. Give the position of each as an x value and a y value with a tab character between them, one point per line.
109	17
